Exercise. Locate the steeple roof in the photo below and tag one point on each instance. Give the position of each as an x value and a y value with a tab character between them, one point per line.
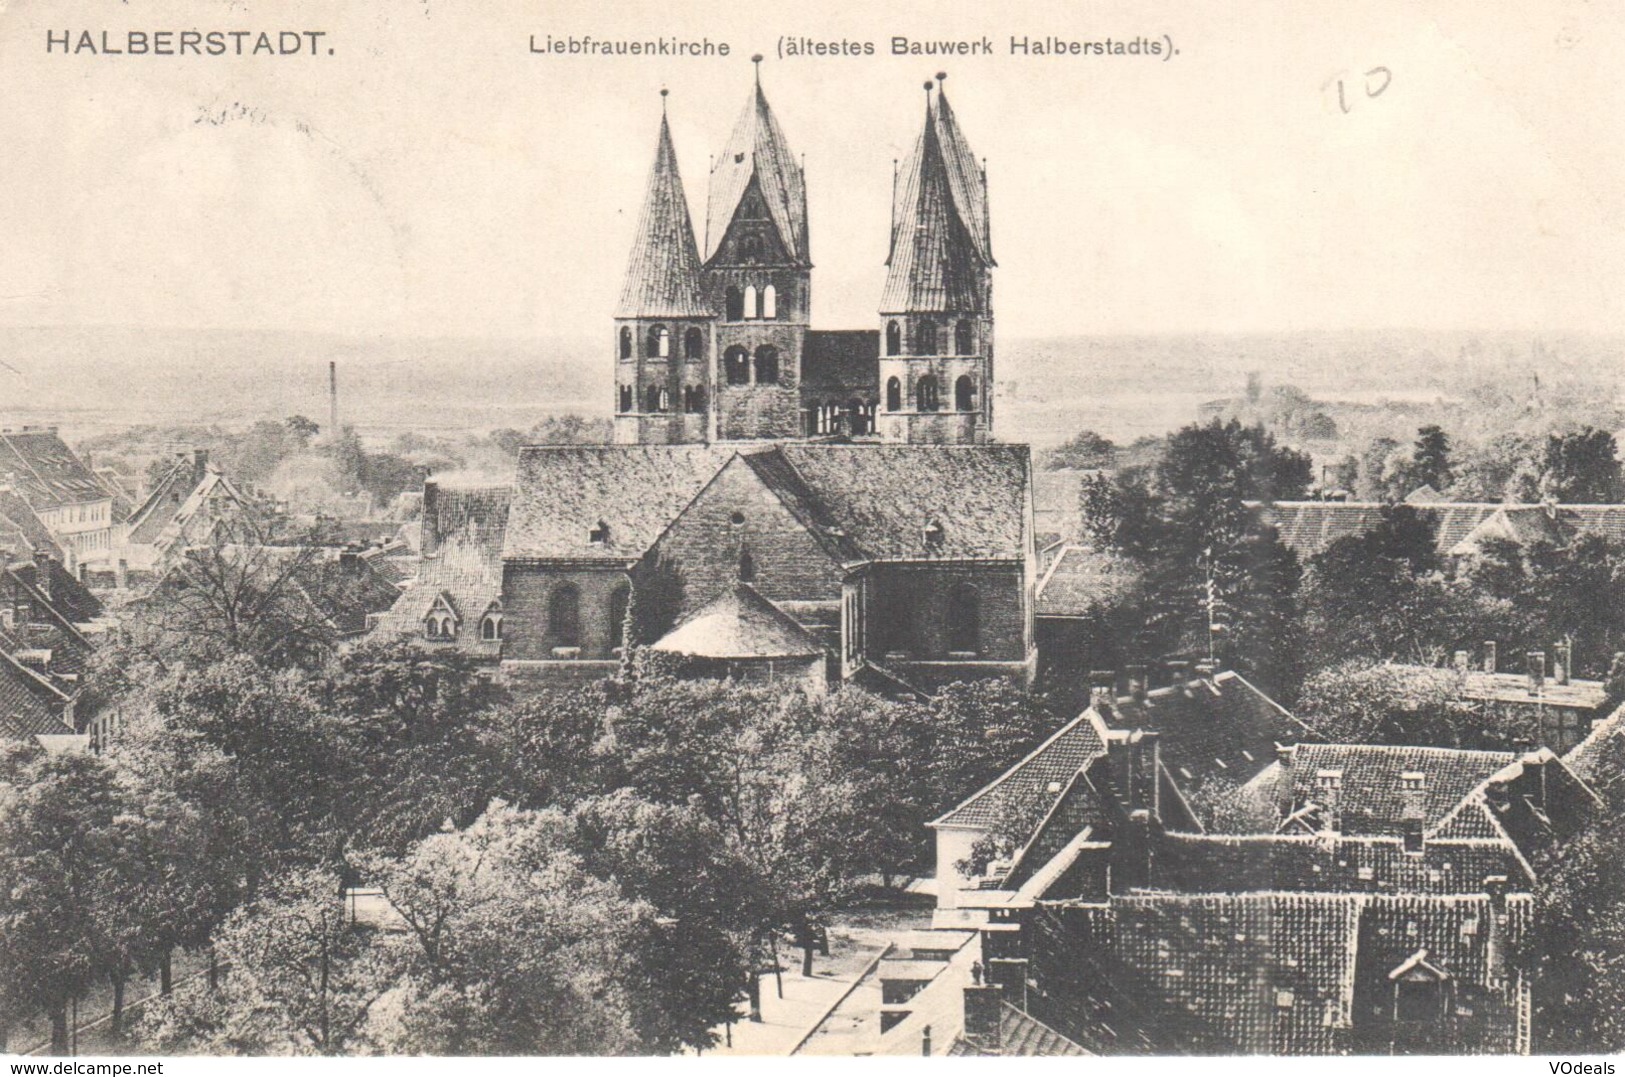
758	148
940	240
663	274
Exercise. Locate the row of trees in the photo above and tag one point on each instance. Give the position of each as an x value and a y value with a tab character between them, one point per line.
1577	467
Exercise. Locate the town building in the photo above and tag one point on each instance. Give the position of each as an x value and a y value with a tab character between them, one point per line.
62	493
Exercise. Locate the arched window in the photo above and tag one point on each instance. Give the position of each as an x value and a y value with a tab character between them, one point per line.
860	417
767	365
564	615
964	338
626	398
964	619
894	395
894	339
439	625
618	601
965	393
626	342
733	305
697	400
665	399
659	342
747	565
770	302
925	394
736	365
653	397
751	308
491	623
829	417
925	337
693	343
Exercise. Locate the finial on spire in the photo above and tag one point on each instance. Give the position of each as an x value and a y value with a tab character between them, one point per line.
928	85
663	93
942	76
757	60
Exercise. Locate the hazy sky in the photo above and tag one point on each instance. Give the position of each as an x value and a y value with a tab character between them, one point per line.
433	177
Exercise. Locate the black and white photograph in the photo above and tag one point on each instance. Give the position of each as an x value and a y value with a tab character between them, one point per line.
660	530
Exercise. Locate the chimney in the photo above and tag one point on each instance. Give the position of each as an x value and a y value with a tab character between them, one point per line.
1489	656
1179	670
1137	685
200	465
1495	931
1461	663
332	401
429	517
1537	672
1413	808
982	1011
1102	691
42	574
1562	658
1329	795
1205	670
1534	784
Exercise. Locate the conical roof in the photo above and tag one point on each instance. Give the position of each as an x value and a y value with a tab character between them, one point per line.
940	240
758	148
739	623
663	274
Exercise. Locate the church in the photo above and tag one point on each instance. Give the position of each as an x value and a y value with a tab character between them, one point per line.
780	502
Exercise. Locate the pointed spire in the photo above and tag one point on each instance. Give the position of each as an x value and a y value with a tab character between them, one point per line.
940	237
757	149
663	272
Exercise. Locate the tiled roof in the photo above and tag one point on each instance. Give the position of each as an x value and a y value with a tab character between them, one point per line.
163	502
1370	801
1586	759
1283	973
47	473
757	148
21	531
1083	806
471	575
1220	726
884	496
565	492
1023	1036
475	515
1525	525
863	502
1081	580
70	599
1030	788
1229	863
663	273
29	705
940	246
739	624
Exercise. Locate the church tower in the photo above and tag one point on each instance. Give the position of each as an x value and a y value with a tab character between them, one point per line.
936	311
757	277
664	329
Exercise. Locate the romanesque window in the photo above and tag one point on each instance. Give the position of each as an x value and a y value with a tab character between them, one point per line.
767	365
964	338
694	399
828	418
564	615
894	339
626	343
693	343
965	393
925	394
747	565
659	342
894	395
653	398
626	398
860	417
964	619
619	599
925	337
770	302
665	399
752	310
491	623
736	365
440	625
733	305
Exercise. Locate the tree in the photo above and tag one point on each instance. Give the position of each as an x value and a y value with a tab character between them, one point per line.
1430	458
1364	702
1580	940
1581	468
302	429
1085	449
569	429
302	980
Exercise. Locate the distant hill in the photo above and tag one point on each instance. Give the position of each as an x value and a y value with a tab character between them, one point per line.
1124	386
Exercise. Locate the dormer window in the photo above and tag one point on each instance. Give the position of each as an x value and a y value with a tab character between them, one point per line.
933	535
491	623
439	625
599	536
